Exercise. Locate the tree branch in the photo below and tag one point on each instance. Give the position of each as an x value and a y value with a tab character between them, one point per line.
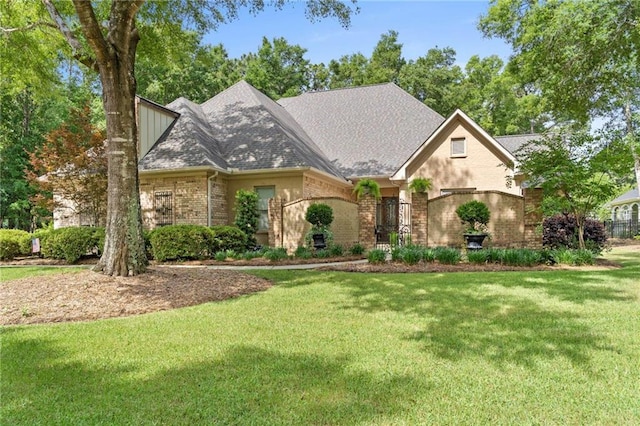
91	29
59	24
62	26
29	27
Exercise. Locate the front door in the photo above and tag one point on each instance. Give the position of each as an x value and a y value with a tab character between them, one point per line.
386	218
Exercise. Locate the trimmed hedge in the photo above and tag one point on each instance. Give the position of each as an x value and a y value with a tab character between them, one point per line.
182	242
228	238
69	244
14	242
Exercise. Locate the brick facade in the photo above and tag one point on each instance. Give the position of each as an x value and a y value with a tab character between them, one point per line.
506	226
314	187
419	218
532	217
367	218
188	199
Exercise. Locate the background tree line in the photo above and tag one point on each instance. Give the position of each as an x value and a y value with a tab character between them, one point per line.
484	89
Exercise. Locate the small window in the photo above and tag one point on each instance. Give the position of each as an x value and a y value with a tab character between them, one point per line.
458	147
163	207
264	194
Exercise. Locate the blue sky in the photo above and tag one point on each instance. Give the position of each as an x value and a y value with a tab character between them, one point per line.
421	25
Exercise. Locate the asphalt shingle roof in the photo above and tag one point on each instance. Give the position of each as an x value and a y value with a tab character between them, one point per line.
514	142
364	131
189	142
631	195
254	132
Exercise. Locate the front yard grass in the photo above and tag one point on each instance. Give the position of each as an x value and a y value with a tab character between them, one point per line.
543	347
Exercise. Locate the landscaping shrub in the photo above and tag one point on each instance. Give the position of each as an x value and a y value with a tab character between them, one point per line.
521	257
228	238
562	231
69	243
396	253
447	255
428	254
336	250
563	256
303	253
411	255
376	256
478	257
323	254
100	235
220	256
247	214
584	257
181	242
276	254
14	242
357	249
319	214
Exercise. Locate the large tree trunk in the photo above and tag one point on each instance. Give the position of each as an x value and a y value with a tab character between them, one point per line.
124	252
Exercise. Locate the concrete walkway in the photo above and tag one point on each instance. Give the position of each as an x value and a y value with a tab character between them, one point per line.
269	267
220	267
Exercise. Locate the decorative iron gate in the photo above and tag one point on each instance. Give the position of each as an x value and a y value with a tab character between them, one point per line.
393	217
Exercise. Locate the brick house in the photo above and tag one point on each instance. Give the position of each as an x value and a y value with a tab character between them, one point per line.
316	146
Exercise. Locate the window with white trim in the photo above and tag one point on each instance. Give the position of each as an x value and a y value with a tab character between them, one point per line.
264	194
458	147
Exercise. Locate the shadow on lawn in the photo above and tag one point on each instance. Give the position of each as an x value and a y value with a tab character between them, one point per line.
510	317
247	385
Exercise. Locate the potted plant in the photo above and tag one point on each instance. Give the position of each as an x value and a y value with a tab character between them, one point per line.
320	216
420	185
367	187
474	216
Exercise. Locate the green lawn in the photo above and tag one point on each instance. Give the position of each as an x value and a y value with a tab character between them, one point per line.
323	348
13	273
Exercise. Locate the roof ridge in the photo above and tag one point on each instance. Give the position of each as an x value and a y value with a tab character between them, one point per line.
337	89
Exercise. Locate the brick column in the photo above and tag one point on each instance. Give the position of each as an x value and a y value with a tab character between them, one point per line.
367	221
419	215
275	222
532	217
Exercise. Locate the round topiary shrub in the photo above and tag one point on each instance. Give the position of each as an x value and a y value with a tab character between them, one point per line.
474	215
319	215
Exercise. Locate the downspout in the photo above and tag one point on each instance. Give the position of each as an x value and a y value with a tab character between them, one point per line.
209	194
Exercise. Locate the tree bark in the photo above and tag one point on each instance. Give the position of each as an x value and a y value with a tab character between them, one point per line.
124	252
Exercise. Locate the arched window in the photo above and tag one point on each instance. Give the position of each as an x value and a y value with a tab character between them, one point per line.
625	213
614	214
634	213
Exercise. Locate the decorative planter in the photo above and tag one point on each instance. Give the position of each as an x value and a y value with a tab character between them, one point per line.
474	241
319	242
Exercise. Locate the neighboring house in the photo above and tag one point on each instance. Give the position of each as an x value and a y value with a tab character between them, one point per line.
194	157
625	219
